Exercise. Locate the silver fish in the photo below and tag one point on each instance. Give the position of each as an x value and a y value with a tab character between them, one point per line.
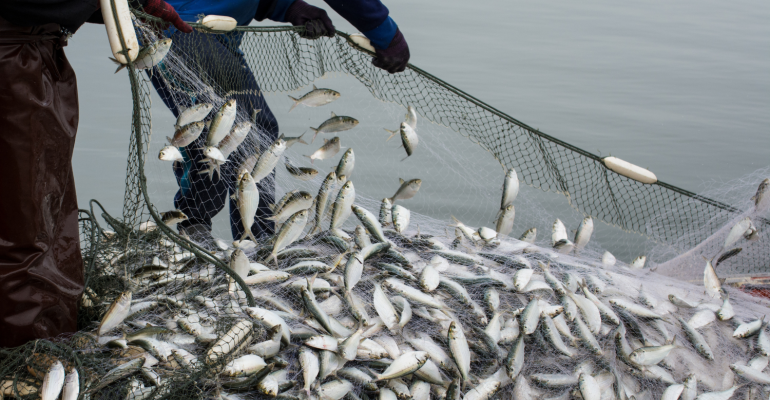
329	149
346	164
458	348
409	139
638	262
186	134
504	224
608	260
411	117
53	382
115	315
697	340
749	328
384	308
148	56
290	231
310	364
335	124
406	364
529	236
726	311
385	212
247	199
195	113
342	205
315	98
301	173
268	160
322	199
751	374
510	188
370	223
723	395
298	202
583	234
231	142
401	216
761	198
71	388
170	153
221	123
589	388
407	190
651	355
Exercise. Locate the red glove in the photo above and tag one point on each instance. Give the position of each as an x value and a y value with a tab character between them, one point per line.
164	11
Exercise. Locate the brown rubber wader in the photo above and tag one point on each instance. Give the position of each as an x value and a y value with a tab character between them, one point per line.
41	269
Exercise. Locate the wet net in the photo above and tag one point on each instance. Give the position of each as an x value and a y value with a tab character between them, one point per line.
405	305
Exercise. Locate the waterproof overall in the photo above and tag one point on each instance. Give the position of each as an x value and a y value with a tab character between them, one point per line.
41	269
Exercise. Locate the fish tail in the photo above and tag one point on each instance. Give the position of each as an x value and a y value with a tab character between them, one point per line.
311	159
392	133
315	133
299	140
170	140
402	160
120	65
296	102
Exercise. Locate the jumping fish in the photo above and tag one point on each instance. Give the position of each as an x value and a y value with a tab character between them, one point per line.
315	98
335	124
329	149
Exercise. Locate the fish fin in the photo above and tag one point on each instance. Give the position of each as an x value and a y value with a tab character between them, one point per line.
250	234
333	114
401	181
280	137
169	139
402	160
315	133
314	88
311	159
392	134
296	103
271	207
120	65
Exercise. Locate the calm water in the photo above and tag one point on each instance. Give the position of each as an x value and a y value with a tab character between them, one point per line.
682	89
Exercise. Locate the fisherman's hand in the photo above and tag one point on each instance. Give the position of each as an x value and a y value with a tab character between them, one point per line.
395	57
314	19
164	11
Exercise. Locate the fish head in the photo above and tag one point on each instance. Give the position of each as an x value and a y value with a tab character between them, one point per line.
214	154
332	93
305	196
278	145
348	186
415	184
229	104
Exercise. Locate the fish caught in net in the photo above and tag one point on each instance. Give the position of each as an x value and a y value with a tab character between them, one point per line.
349	284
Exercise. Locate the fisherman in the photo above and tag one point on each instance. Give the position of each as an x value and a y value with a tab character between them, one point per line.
219	58
41	269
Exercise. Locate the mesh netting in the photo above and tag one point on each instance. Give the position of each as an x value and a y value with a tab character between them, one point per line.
384	308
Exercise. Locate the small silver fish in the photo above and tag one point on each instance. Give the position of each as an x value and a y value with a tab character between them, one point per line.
761	198
115	315
53	382
301	173
315	98
170	153
268	160
341	209
386	217
290	141
172	217
247	199
583	233
195	113
407	190
234	139
401	216
335	124
346	164
329	149
148	56
186	134
510	188
221	123
529	236
504	224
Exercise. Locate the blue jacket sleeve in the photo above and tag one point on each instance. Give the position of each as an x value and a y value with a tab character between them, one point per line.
368	16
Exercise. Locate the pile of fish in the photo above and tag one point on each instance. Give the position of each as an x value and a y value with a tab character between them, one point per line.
382	311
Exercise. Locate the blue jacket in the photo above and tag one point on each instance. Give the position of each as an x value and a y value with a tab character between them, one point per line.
368	16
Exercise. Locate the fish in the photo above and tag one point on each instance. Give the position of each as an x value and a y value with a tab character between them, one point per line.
529	235
290	141
221	123
737	232
341	209
407	190
172	217
726	311
384	308
234	139
672	392
247	199
329	149
510	188
268	160
290	231
638	262
71	388
370	222
322	199
711	281
409	139
411	117
301	173
504	224
679	302
310	363
346	164
697	340
170	153
651	355
315	98
297	202
589	388
583	233
115	315
608	260
334	124
193	114
723	395
149	56
385	217
53	382
458	348
749	329
401	216
761	199
186	134
214	154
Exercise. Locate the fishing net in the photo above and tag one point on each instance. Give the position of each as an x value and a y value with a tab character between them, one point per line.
198	325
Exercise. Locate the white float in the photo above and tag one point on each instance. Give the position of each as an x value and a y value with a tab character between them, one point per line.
126	27
362	41
629	170
219	23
